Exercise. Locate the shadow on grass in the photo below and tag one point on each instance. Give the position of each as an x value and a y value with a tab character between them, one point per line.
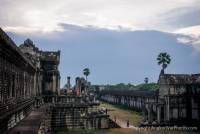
124	108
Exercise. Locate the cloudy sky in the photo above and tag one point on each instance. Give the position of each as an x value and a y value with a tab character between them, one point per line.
117	39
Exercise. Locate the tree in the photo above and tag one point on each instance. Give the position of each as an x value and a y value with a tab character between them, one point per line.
164	60
86	72
146	80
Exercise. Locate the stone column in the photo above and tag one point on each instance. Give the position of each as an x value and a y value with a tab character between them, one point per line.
35	84
68	83
40	83
25	88
58	85
168	110
53	100
54	84
149	112
158	114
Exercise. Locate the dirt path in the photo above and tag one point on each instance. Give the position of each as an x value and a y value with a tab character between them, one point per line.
123	124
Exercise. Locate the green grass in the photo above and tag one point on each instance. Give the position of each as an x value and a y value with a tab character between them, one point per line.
122	131
123	114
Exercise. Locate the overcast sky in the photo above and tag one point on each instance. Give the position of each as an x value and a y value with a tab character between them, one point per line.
117	39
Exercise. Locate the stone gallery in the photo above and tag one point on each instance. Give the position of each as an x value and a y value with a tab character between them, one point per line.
30	81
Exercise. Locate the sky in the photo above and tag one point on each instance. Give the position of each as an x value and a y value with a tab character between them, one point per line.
118	40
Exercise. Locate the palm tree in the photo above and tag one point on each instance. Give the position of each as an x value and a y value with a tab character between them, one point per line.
146	80
163	59
86	72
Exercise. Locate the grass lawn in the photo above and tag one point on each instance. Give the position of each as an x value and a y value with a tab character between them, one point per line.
122	131
123	114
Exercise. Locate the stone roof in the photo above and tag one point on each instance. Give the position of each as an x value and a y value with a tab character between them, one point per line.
7	41
182	78
29	44
50	55
33	53
134	93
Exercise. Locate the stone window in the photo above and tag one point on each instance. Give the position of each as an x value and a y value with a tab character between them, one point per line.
194	114
175	113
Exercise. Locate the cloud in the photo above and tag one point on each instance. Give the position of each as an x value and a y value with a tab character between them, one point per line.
115	56
109	36
190	36
183	17
192	30
46	15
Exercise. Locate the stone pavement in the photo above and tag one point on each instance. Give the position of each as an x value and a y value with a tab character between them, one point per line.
31	124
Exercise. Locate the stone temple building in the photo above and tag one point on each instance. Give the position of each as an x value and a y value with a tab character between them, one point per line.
178	100
46	63
80	86
30	79
26	73
76	109
134	99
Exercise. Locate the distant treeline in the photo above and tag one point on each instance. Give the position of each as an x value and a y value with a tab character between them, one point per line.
122	86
